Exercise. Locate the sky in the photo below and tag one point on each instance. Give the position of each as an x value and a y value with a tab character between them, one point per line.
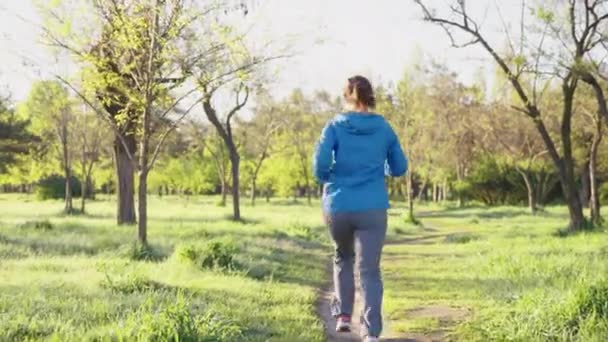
331	39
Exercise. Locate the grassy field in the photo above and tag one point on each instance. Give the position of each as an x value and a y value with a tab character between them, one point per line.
497	274
81	278
473	274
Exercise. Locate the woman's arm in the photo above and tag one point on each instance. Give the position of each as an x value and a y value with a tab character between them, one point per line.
396	160
323	158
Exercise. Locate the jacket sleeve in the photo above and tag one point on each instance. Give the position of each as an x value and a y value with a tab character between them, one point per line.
323	158
396	161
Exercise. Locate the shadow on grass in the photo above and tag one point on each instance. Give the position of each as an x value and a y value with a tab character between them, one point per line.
485	212
51	248
38	246
589	228
450	288
421	240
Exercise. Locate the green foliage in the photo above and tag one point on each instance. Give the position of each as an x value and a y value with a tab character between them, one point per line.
142	252
603	192
519	61
546	15
130	283
187	253
177	321
493	181
15	139
53	187
218	254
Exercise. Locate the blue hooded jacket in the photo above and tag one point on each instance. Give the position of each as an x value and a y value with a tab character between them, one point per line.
354	154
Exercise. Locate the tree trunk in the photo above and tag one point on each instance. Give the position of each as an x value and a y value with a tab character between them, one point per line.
125	172
594	203
565	165
68	191
142	198
256	172
410	197
224	191
422	191
577	219
585	184
267	195
90	186
234	163
308	193
83	195
253	192
531	192
540	188
67	170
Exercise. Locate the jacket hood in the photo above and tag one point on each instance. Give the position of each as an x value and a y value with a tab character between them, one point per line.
360	123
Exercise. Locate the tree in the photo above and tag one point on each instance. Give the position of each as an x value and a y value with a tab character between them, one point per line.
260	132
216	147
301	124
452	129
514	140
589	130
411	96
14	137
225	131
133	69
90	135
49	108
227	66
575	43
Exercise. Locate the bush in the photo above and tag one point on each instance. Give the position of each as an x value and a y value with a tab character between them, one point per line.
494	182
53	187
218	254
603	192
141	252
215	254
187	253
130	283
176	322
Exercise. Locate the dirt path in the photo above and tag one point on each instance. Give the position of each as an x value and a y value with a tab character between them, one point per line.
323	308
445	314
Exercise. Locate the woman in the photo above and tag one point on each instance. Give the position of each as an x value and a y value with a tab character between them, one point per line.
356	151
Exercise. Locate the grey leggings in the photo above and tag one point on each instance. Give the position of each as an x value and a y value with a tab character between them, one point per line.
359	234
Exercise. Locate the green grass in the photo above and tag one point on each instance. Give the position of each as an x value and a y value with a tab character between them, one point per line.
506	272
78	278
472	274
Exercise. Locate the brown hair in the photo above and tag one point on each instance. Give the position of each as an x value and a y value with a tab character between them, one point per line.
361	90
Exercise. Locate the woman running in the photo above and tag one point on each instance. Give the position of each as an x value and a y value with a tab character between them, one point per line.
357	149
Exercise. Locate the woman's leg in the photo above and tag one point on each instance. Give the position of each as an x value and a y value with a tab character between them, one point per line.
370	233
341	232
